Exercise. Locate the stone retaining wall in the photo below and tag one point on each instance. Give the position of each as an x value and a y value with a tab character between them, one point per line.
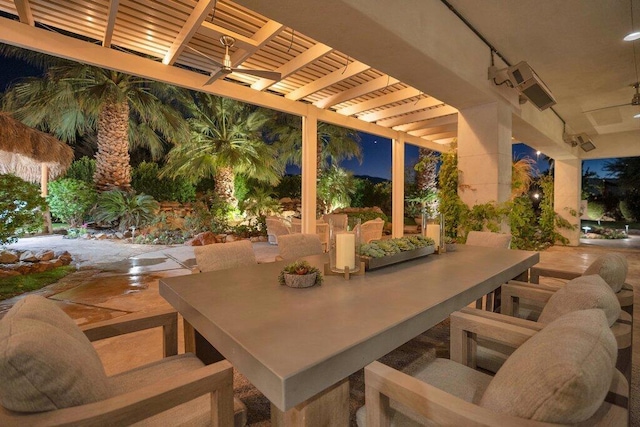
15	263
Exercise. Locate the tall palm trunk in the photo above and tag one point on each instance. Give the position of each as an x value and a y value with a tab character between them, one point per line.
224	186
112	160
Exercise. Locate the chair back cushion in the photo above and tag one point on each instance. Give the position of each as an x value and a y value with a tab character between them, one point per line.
44	365
295	246
488	239
221	256
561	374
582	293
612	268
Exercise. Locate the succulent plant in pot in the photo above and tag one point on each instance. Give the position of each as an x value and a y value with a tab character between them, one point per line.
300	274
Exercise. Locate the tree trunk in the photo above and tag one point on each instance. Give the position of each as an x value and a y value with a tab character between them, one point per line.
112	159
224	187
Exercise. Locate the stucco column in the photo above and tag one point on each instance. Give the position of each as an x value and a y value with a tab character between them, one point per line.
397	186
309	170
484	153
567	189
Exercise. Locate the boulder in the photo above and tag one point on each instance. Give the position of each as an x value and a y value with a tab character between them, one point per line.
45	255
119	235
28	256
202	239
65	258
8	257
100	236
8	273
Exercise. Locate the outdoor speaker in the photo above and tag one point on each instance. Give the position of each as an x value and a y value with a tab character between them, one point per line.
530	85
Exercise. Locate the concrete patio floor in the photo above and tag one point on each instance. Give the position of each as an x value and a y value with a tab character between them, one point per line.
115	279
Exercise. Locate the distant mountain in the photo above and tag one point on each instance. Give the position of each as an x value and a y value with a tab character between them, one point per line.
374	179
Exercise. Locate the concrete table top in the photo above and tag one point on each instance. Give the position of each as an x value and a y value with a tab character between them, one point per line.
294	343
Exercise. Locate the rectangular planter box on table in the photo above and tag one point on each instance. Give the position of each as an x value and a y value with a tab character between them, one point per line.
374	263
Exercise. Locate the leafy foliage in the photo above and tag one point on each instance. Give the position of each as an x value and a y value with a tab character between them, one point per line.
127	208
335	188
626	212
289	186
212	214
260	201
145	178
595	210
70	200
82	170
21	208
370	194
451	206
627	170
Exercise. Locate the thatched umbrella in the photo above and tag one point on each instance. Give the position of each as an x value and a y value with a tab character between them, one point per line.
30	153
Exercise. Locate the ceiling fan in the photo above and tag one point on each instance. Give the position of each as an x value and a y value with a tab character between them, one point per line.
226	68
634	101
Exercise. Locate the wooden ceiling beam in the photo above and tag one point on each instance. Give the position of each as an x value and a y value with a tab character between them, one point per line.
422	115
427	132
213	31
440	121
24	12
355	92
398	110
111	23
380	101
189	28
315	52
352	69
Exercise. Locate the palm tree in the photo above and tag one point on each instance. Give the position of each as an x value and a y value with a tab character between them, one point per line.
335	143
226	139
73	100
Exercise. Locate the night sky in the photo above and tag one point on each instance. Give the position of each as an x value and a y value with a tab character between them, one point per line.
376	150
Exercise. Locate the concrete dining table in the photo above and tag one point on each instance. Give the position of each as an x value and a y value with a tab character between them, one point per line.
298	346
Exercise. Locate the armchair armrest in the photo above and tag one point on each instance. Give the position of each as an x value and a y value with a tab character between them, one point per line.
535	272
468	324
166	318
514	290
145	402
383	383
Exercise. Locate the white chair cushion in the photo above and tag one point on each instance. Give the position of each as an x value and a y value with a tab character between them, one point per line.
560	375
43	368
582	293
612	268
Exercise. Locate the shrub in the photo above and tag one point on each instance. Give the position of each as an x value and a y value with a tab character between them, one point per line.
595	210
290	186
70	200
144	178
213	217
21	207
82	169
127	208
627	213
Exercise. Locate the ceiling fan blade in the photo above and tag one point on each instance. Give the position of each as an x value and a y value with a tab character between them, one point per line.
610	106
213	77
265	74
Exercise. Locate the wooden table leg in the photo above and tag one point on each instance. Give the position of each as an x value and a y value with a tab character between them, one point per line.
328	408
195	343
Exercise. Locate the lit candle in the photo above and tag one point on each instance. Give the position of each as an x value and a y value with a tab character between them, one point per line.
345	251
433	231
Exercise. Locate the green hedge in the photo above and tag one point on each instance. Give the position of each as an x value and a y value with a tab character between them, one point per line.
144	179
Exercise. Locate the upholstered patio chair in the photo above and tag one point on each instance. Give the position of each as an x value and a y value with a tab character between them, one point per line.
340	221
299	245
322	230
560	374
296	225
372	230
612	267
50	374
276	226
488	239
545	304
220	256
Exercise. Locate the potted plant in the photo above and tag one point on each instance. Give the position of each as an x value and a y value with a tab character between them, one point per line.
450	243
300	274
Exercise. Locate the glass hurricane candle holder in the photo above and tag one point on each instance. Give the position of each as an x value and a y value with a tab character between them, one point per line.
344	247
